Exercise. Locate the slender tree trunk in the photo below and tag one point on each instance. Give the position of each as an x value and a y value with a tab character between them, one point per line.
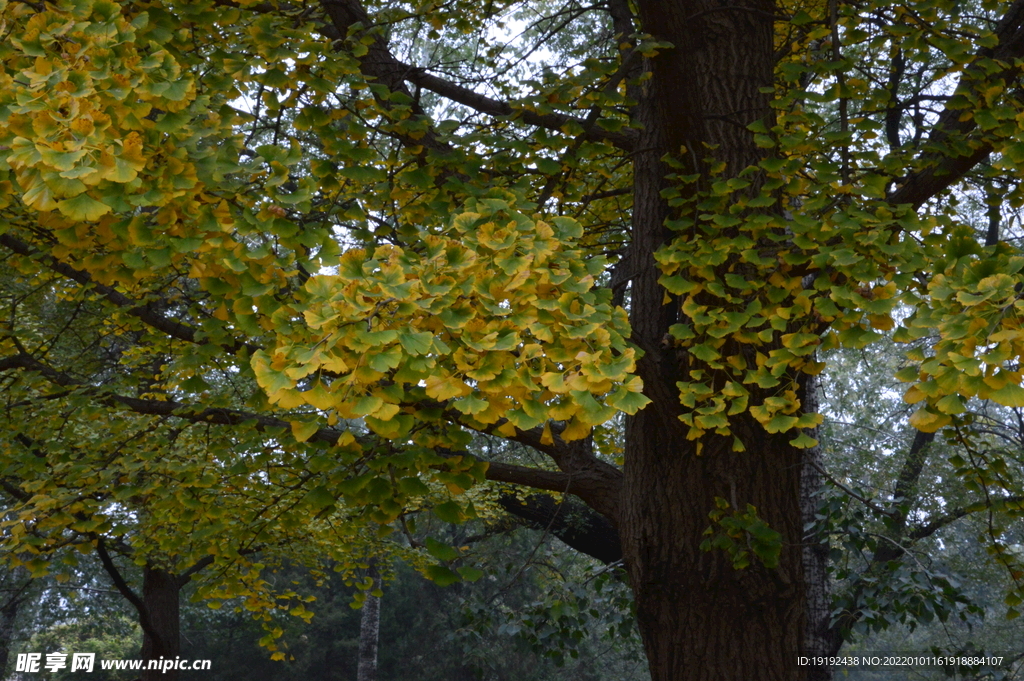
820	638
160	594
701	619
369	632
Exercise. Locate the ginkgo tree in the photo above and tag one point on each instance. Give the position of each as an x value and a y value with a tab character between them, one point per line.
361	232
184	502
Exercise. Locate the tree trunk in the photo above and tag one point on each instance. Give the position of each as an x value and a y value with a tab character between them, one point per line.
369	632
161	640
8	616
700	618
820	638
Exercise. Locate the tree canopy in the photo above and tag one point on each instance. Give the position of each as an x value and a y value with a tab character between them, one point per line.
270	268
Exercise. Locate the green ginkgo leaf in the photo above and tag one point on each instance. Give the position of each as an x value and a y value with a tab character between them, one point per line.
303	430
1010	395
83	208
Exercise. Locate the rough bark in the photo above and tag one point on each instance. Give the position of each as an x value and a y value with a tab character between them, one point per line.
162	639
369	632
700	618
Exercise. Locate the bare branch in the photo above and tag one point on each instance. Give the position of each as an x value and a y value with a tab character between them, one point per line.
930	528
380	64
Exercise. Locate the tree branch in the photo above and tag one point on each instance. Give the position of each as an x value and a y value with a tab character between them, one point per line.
380	64
867	502
186	576
593	480
14	491
487	105
912	465
943	170
537	478
577	525
216	415
928	529
204	562
143	312
122	586
903	497
596	482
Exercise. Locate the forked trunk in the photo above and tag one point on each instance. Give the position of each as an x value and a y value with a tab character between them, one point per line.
163	643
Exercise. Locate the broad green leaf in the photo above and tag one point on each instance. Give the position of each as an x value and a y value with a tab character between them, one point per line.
303	430
83	207
441	551
319	497
1010	395
441	575
449	511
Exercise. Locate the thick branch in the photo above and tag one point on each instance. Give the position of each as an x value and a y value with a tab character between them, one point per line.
14	491
487	105
553	481
928	529
575	524
186	576
623	21
381	65
904	496
912	465
597	482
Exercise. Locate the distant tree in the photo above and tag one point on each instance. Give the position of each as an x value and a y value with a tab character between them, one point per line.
369	628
